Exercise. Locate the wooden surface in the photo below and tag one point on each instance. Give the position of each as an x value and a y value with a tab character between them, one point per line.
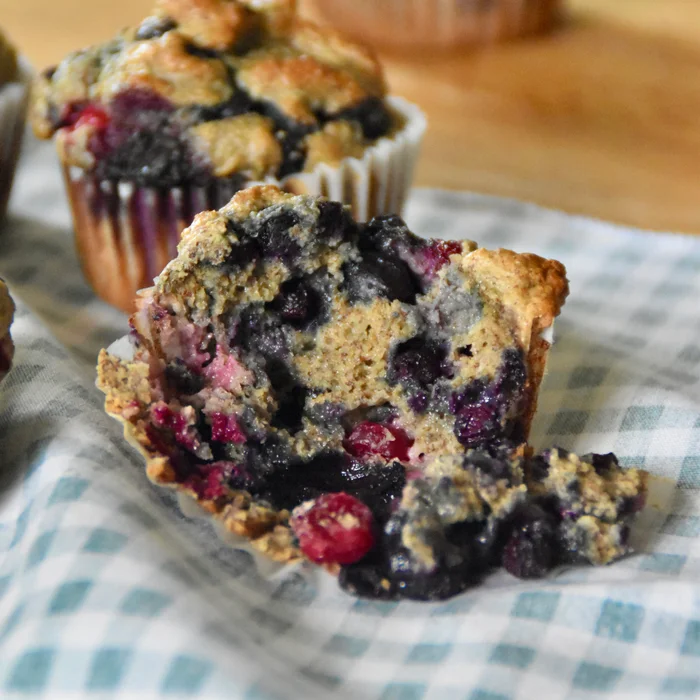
601	118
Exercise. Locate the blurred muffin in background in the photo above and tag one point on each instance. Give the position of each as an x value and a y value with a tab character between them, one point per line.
7	312
15	78
204	97
438	23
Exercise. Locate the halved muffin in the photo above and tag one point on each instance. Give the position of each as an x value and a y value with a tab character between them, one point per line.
346	393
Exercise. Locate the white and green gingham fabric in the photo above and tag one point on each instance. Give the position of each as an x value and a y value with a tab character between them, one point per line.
107	591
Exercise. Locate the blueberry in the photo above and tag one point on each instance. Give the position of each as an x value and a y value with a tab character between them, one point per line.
512	374
531	550
238	103
148	147
476	425
419	402
603	464
154	27
297	303
202	52
631	505
273	237
335	472
258	332
372	115
490	467
335	223
388	233
470	394
378	275
290	135
368	578
418	360
389	572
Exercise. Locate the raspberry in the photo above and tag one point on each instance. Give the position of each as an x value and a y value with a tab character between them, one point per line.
184	433
225	428
78	115
432	258
367	439
335	528
210	482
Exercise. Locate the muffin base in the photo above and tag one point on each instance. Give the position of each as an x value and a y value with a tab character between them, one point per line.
14	100
125	233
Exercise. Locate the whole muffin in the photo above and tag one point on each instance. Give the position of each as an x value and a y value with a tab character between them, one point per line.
14	92
7	348
174	116
439	23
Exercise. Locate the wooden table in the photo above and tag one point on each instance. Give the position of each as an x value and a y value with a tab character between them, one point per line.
601	118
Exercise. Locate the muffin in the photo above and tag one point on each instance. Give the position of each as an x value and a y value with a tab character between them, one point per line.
357	397
439	23
14	92
204	97
7	348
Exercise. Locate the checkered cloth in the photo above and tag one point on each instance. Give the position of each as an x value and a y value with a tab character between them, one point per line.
106	590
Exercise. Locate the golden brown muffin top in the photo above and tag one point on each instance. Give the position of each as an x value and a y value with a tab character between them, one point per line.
207	62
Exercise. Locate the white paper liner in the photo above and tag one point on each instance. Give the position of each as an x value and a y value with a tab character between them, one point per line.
126	234
379	182
14	100
438	23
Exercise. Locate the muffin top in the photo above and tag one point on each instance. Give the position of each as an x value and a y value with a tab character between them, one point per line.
8	61
239	89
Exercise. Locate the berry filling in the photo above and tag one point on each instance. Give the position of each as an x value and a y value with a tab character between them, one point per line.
333	529
368	439
226	429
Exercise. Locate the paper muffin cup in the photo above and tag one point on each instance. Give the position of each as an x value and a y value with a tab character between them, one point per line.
14	100
126	233
439	23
